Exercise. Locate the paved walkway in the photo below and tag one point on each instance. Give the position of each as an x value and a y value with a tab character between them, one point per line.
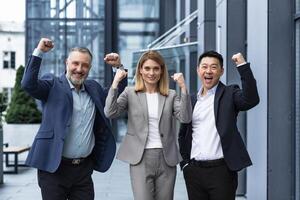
112	185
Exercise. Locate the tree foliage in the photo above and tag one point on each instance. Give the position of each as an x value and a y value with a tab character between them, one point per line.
2	103
22	108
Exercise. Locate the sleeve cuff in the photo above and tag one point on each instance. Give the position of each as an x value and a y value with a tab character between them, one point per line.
38	53
244	63
121	67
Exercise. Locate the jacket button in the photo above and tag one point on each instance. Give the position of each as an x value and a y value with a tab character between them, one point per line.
161	135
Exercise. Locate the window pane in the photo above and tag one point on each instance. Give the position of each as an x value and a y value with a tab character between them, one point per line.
138	26
297	5
68	24
62	8
6	58
138	9
130	43
12	60
5	64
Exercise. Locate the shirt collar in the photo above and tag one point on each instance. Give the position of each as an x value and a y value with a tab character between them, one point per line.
211	91
73	87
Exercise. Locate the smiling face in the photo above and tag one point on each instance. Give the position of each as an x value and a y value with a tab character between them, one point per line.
78	67
151	72
209	71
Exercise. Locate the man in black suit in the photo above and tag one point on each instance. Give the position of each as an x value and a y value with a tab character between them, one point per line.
211	146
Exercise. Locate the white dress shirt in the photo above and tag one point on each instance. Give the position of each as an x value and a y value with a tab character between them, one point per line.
153	140
206	143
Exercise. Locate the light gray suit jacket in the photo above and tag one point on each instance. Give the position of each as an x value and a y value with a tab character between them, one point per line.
169	108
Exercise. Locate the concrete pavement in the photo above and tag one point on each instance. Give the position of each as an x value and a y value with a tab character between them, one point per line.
112	185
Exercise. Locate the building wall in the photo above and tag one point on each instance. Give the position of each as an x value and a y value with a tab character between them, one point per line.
257	121
270	125
12	38
266	39
221	32
281	87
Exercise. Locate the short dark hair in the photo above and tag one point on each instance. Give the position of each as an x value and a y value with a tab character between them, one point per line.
212	54
82	50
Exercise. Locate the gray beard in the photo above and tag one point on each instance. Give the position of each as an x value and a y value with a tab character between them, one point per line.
75	82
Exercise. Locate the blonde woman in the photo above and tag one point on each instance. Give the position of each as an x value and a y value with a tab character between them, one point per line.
150	143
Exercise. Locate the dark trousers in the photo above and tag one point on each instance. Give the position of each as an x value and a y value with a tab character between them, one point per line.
210	182
70	181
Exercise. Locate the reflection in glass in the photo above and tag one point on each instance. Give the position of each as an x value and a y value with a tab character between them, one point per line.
174	56
138	9
138	26
65	9
68	24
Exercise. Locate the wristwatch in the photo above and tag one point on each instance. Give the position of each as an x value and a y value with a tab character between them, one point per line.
120	67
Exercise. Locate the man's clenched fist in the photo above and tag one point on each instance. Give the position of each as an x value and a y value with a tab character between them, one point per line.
45	45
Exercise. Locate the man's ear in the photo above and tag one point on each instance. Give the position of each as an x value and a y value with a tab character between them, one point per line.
222	72
198	69
66	61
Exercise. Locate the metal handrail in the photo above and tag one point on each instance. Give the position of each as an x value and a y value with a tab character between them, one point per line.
171	34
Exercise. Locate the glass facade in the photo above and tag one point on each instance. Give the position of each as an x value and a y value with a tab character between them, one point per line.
69	24
138	26
72	23
175	59
81	23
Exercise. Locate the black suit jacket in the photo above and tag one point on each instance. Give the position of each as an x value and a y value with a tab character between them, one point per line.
229	100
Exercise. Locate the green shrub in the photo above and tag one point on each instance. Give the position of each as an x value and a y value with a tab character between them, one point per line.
22	108
2	103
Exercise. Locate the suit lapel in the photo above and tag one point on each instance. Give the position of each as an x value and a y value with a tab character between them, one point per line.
161	104
194	100
143	102
67	88
218	95
96	97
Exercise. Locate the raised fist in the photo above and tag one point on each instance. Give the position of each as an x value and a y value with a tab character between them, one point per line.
113	59
179	79
238	58
45	45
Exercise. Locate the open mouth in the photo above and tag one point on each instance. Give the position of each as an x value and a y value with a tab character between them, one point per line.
208	79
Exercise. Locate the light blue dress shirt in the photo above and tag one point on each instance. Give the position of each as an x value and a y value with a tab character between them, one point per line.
80	140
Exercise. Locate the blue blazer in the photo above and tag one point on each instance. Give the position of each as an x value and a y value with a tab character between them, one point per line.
229	100
57	104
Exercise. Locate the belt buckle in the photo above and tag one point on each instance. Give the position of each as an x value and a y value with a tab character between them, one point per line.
76	161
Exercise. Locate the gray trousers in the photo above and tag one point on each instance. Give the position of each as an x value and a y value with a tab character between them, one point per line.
152	178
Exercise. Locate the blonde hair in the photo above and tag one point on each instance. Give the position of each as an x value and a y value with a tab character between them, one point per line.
163	83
